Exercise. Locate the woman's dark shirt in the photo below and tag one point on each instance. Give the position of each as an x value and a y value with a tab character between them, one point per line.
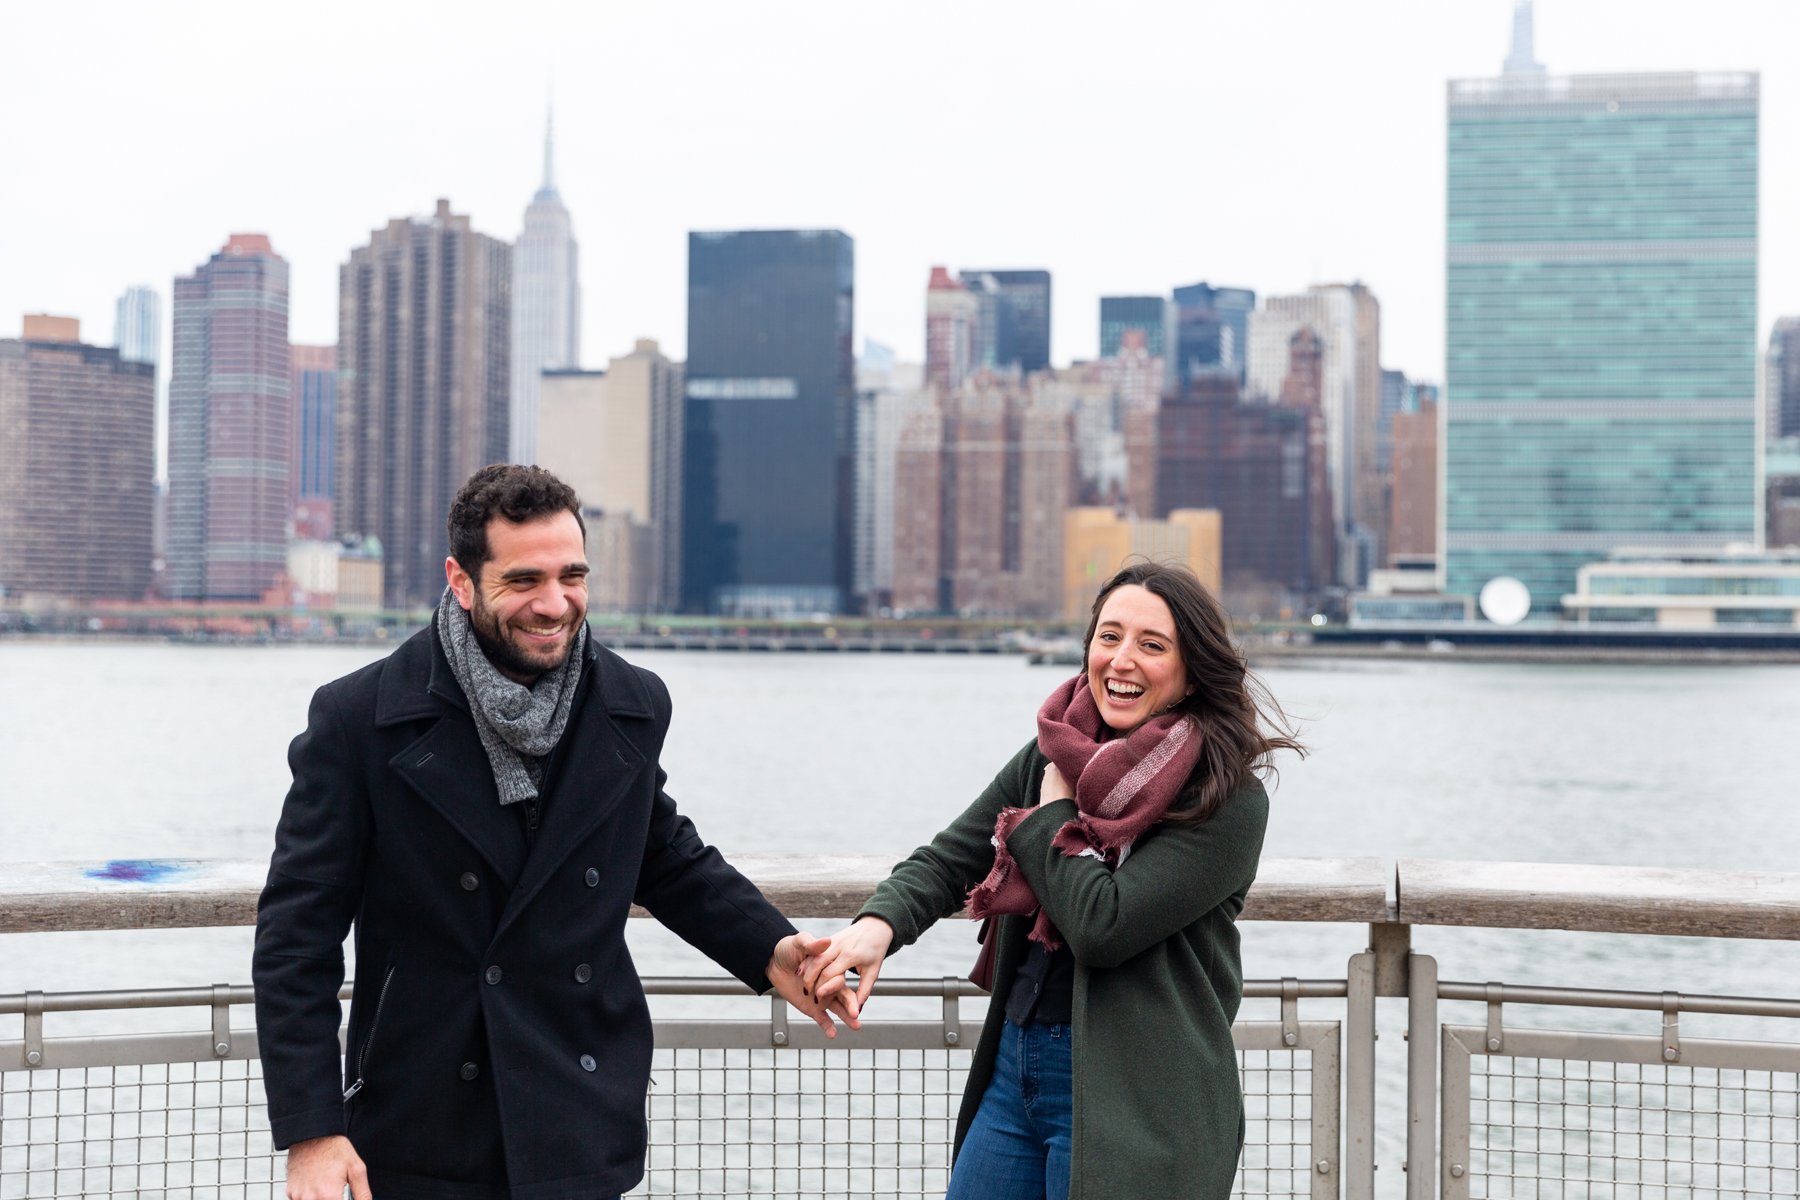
1044	989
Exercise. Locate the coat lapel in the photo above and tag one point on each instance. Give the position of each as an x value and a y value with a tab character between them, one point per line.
598	769
450	771
446	766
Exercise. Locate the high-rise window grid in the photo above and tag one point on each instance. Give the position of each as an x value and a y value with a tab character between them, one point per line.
1601	322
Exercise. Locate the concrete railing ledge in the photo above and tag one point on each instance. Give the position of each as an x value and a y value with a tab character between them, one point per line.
42	897
1673	901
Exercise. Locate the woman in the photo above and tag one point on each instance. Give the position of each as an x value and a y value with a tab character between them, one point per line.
1113	854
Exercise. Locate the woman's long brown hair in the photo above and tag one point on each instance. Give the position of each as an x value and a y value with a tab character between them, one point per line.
1241	725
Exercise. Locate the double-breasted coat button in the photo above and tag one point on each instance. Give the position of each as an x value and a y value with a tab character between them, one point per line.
592	877
469	1071
469	881
493	974
587	1062
583	973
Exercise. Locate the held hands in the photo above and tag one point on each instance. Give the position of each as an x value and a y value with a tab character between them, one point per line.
785	972
320	1168
860	948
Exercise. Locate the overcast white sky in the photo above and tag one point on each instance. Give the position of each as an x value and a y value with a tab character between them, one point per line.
1126	146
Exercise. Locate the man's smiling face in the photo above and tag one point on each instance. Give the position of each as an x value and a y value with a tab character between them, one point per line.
531	598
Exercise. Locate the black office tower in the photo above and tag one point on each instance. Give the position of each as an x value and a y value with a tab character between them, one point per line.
1212	330
768	445
1013	318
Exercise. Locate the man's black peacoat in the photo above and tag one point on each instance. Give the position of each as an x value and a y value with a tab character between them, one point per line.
499	1041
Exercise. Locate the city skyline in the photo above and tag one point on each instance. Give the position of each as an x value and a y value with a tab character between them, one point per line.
636	184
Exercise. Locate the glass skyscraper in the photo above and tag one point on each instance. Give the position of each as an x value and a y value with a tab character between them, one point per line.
1013	321
767	461
137	332
1153	315
1212	329
137	325
1601	338
313	397
1781	379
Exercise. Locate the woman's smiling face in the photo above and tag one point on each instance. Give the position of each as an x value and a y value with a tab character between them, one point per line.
1134	664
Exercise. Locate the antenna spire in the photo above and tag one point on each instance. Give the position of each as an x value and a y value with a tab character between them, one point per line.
550	146
1522	60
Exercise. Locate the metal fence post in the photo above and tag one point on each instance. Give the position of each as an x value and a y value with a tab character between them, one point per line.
1455	1179
1421	1077
1359	1078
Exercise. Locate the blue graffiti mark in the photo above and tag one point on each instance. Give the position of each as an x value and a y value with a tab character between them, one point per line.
137	870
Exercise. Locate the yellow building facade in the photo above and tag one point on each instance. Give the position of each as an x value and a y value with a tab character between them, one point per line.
1098	541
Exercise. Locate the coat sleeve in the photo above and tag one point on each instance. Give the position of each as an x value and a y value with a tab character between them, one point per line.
688	886
934	881
1174	876
313	892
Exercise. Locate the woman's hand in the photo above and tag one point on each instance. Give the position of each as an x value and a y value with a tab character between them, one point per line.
1055	787
860	948
783	970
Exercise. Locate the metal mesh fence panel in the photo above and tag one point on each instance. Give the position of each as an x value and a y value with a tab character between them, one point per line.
725	1122
1278	1116
812	1123
802	1123
177	1130
1566	1127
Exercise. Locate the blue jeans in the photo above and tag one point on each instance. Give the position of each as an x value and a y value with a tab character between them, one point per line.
1018	1146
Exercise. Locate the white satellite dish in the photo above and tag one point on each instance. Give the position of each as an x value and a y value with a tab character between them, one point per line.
1504	600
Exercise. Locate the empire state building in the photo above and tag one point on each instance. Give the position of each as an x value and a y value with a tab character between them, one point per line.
546	295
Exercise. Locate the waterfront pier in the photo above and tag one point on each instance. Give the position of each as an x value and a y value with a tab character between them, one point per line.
1615	1097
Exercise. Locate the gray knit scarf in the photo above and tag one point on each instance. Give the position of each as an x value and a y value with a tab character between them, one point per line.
514	721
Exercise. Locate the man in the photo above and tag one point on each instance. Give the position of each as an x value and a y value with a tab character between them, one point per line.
485	804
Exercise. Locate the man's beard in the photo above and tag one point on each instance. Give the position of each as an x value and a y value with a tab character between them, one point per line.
502	654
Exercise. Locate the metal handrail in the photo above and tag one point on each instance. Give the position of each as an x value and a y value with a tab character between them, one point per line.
1511	993
1254	989
658	985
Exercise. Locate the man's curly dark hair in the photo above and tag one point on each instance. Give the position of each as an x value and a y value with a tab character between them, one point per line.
513	492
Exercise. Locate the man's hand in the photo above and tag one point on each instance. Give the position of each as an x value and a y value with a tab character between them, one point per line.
784	972
320	1168
861	948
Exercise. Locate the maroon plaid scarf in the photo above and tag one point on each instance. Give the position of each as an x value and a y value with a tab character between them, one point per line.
1123	786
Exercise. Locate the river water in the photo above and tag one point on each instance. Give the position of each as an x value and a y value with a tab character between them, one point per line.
143	750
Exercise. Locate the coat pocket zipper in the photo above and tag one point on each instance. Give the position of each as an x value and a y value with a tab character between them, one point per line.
362	1058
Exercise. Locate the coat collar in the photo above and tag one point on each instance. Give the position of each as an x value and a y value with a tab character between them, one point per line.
417	683
446	766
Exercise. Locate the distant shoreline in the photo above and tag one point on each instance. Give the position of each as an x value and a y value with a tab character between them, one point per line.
1258	650
1554	655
